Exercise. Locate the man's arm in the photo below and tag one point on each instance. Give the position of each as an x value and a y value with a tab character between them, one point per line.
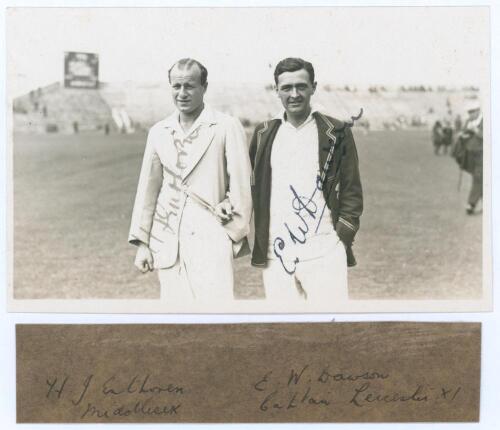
239	172
148	189
350	191
253	148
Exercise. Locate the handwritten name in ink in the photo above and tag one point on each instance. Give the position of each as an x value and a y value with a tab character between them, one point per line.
307	214
305	211
116	396
168	215
317	388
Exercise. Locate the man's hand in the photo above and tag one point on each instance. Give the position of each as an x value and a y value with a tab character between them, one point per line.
224	211
345	233
144	258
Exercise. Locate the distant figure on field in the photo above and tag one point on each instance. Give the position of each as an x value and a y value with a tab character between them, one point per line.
75	127
447	136
442	136
437	136
458	123
468	153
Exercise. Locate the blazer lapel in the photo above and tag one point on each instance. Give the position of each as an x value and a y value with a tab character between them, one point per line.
265	136
326	138
202	137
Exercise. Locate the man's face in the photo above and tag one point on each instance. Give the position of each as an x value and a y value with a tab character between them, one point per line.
187	90
295	91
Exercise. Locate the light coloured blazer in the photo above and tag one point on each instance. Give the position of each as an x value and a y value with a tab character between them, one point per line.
216	168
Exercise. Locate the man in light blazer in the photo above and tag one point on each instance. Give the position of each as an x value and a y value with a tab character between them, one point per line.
193	205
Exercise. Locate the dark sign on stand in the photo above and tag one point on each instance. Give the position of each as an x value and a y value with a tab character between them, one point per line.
81	70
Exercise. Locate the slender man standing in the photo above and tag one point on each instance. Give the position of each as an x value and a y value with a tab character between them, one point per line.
193	204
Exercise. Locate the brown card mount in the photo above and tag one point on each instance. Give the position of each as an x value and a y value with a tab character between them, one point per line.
255	373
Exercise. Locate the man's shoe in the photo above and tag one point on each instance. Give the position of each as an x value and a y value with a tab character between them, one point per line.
469	209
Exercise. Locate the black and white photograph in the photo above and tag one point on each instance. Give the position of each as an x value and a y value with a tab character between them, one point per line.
249	160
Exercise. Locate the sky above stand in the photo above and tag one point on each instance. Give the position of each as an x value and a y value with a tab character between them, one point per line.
356	46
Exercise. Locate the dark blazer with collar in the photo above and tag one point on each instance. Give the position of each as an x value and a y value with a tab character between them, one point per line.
341	187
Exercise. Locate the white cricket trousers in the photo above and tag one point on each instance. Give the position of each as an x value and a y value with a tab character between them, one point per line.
320	280
204	268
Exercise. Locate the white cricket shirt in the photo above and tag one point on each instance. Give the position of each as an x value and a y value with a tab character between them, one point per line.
294	163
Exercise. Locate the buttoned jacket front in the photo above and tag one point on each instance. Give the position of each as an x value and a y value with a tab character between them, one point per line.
215	168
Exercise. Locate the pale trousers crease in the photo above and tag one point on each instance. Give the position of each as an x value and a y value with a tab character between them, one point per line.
321	280
204	267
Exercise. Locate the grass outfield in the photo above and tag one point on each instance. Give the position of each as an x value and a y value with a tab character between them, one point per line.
73	199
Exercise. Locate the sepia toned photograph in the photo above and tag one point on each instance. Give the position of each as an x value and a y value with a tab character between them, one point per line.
222	160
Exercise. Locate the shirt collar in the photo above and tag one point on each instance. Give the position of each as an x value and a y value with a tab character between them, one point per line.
206	117
282	117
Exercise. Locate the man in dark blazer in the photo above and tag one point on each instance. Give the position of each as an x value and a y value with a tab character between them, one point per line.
472	134
306	192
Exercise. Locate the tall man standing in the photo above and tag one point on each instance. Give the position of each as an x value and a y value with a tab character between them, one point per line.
193	204
472	135
306	192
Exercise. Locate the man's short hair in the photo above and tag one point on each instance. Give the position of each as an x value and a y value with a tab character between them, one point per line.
187	63
292	64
